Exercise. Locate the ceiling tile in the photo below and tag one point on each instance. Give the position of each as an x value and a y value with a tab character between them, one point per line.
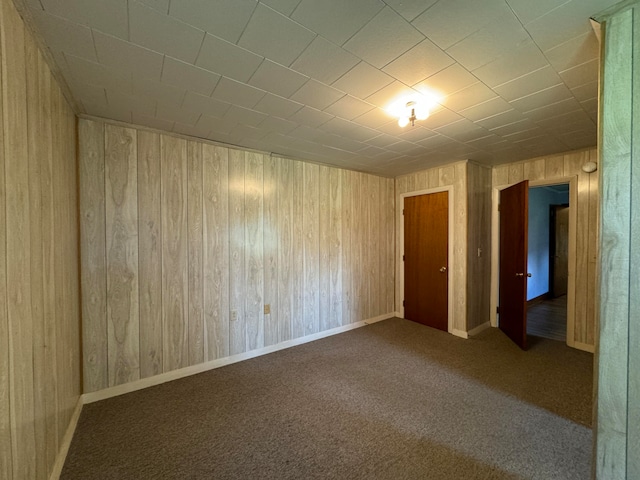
576	51
152	122
204	104
84	71
540	99
306	133
176	114
468	97
416	133
383	140
154	89
120	114
127	57
206	15
448	22
490	42
526	58
515	127
586	91
275	36
420	62
107	17
410	9
92	94
160	5
189	77
246	116
317	95
237	93
362	80
501	119
533	82
324	61
285	7
277	106
336	20
338	126
581	74
462	130
277	79
526	10
384	97
280	125
220	56
349	107
436	141
486	109
362	134
384	38
568	105
310	117
119	101
441	118
162	33
199	132
486	141
374	118
214	125
66	36
525	135
450	80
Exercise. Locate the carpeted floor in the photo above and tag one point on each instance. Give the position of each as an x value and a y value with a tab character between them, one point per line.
393	400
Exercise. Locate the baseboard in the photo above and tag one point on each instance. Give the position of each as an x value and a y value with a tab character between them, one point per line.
584	346
66	442
479	329
221	362
459	333
397	314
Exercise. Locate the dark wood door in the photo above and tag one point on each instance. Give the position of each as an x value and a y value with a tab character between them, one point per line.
514	222
559	250
426	238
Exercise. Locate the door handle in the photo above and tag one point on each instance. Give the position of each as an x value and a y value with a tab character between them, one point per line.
522	275
443	269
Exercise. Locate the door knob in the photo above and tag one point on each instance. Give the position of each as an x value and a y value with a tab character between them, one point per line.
443	269
529	275
522	275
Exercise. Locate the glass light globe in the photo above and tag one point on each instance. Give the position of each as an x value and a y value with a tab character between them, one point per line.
403	122
422	112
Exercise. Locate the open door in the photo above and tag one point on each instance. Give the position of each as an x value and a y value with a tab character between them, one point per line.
426	251
514	222
559	251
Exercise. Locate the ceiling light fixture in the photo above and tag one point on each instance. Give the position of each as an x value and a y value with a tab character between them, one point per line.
412	108
414	111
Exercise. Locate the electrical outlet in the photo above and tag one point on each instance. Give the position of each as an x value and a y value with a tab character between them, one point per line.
479	252
267	309
234	315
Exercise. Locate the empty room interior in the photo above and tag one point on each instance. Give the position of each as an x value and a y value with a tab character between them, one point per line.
319	239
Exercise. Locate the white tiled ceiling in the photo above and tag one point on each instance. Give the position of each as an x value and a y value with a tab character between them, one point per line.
311	78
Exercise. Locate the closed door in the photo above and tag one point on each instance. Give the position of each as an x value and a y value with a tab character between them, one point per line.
514	223
560	253
426	232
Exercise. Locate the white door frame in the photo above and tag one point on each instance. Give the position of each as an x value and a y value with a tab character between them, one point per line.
495	249
450	243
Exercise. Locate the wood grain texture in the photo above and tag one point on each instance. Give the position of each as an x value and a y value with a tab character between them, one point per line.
237	324
311	228
297	250
516	173
175	311
285	249
534	169
253	240
93	237
324	235
195	242
336	243
121	206
216	251
270	234
389	245
500	175
554	167
372	238
150	252
347	257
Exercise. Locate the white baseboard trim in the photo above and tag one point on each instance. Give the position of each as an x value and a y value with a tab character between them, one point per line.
397	314
221	362
479	329
459	333
584	346
66	442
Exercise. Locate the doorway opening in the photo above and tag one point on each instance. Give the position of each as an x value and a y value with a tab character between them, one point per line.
548	261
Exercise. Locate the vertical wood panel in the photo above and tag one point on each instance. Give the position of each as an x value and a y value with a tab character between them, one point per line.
534	169
195	273
285	245
254	268
447	176
390	252
336	243
554	167
150	253
216	250
516	172
93	238
500	175
325	247
237	324
434	178
18	243
347	232
460	246
175	313
311	219
121	207
6	465
593	229
271	320
297	249
372	236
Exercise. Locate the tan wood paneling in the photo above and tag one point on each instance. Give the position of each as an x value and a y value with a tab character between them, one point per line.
311	245
297	248
121	205
271	320
347	258
285	245
195	235
390	245
39	307
216	251
149	252
237	324
175	313
336	297
324	235
253	242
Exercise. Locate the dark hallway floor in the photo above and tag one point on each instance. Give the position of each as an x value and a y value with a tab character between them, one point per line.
548	319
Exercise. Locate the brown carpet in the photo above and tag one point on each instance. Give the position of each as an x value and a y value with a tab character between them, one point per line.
393	400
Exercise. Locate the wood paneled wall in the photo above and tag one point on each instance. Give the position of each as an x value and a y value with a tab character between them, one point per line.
479	246
185	242
39	286
455	175
586	235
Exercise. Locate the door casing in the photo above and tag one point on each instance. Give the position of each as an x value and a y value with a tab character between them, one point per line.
495	251
452	260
